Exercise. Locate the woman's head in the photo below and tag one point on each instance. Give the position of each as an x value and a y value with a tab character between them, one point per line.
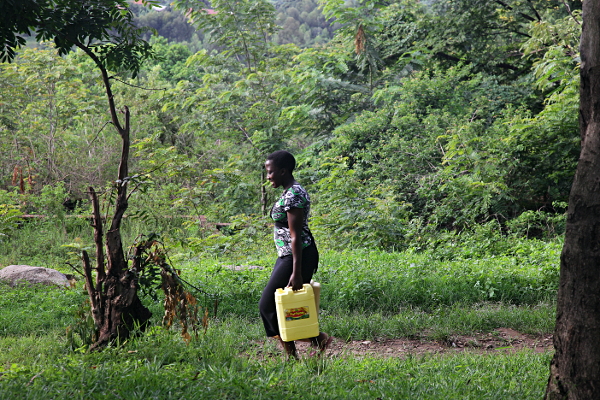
279	166
282	160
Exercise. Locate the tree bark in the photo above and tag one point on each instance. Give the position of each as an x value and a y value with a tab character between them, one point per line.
575	367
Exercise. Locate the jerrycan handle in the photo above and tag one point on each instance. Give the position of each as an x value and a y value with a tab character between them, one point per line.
299	290
288	289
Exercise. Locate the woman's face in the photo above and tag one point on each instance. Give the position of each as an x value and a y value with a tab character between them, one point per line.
274	174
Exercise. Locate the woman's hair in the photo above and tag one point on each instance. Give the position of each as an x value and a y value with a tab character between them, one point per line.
283	160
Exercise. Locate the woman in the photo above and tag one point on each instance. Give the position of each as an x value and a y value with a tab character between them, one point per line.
298	257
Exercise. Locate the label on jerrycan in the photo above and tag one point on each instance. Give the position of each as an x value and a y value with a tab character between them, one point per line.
293	314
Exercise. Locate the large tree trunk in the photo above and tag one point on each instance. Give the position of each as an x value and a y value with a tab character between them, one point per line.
116	307
575	368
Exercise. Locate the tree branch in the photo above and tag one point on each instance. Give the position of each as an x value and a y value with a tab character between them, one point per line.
92	292
537	15
135	86
98	134
527	17
570	12
106	81
121	202
123	165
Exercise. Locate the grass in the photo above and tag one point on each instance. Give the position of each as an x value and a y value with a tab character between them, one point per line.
378	282
138	375
25	311
366	295
229	362
443	322
234	361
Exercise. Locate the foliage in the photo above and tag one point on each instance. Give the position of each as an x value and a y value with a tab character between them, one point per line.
251	233
347	217
358	23
171	58
239	28
411	145
495	33
105	26
321	94
10	217
540	223
236	101
18	18
459	146
42	130
462	115
554	52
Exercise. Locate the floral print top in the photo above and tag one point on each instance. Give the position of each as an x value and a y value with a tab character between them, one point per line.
294	197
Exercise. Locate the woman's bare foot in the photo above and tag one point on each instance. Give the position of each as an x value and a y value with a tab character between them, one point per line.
320	342
290	349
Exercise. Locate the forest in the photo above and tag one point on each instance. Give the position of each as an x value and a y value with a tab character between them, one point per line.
438	140
409	123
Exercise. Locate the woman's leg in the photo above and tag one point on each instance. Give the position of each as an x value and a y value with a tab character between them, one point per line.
279	279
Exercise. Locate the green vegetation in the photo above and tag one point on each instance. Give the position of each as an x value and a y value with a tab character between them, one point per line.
368	295
438	141
203	372
402	132
468	285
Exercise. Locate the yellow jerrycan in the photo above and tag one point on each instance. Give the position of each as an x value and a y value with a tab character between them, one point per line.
296	313
316	286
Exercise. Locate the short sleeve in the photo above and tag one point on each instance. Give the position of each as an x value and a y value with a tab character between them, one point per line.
294	198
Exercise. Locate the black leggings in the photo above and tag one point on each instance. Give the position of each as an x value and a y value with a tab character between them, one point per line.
280	277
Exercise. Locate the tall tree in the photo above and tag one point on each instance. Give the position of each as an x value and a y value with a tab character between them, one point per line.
104	30
575	367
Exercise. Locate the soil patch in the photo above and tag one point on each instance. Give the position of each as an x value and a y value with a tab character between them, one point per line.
500	340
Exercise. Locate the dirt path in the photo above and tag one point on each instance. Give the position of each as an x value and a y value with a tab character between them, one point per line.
502	339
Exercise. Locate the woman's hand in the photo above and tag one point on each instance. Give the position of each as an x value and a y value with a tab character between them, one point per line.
295	282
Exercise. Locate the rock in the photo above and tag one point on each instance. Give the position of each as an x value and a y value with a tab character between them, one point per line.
25	274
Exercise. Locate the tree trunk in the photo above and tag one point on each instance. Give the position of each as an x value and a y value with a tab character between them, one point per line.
263	193
116	307
575	368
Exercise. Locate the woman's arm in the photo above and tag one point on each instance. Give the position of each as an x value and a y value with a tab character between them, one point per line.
295	218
